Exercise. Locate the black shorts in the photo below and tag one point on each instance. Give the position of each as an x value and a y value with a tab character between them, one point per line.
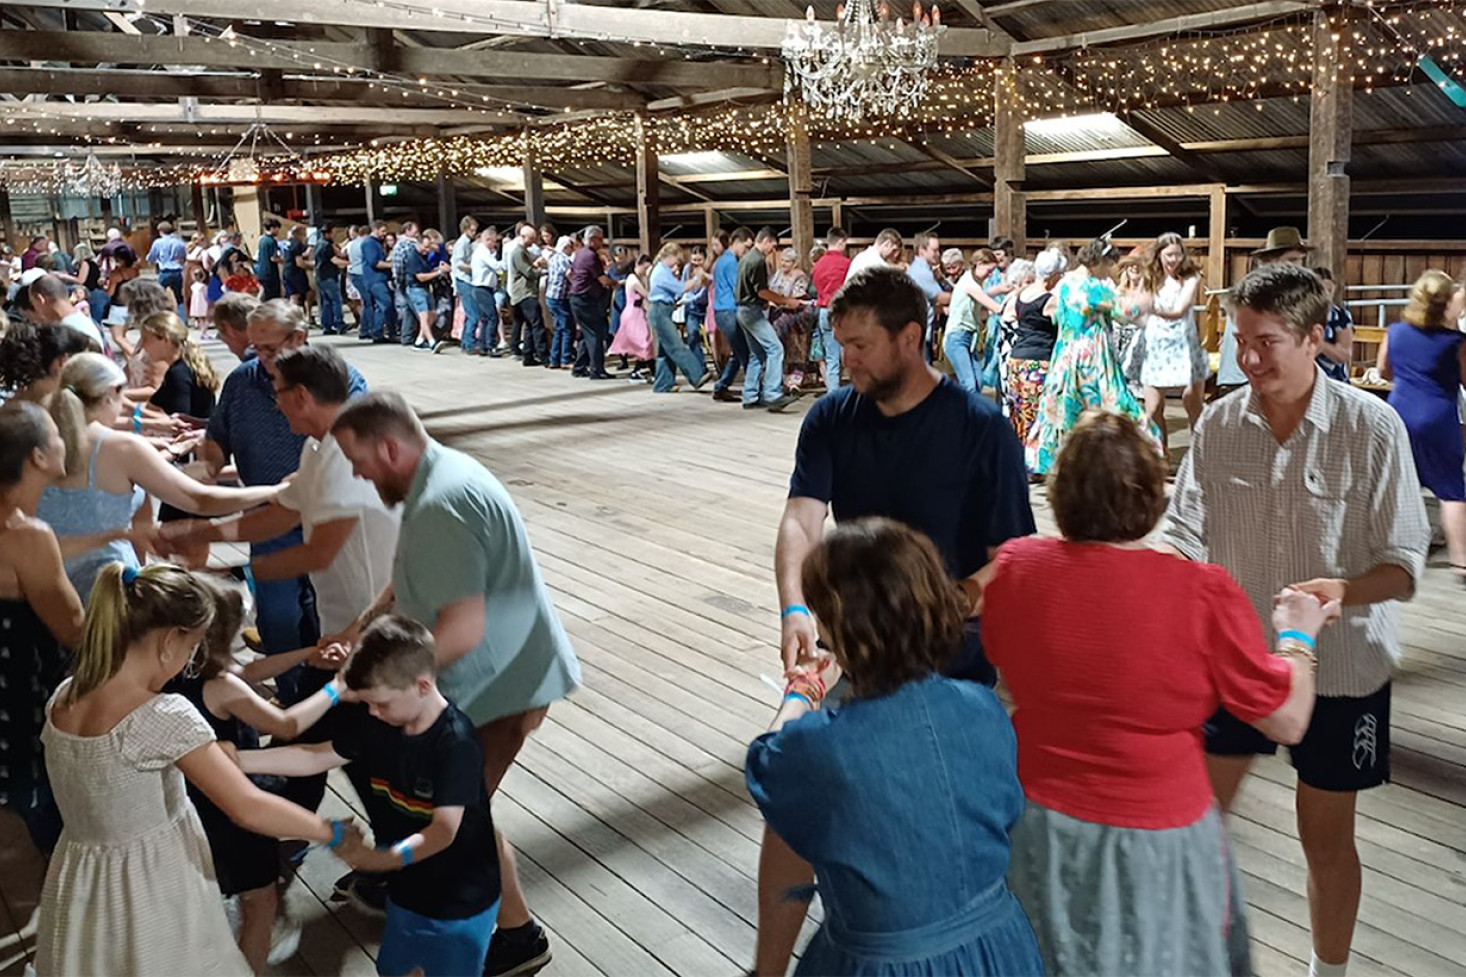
1346	748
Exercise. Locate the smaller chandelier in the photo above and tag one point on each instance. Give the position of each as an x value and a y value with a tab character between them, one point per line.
865	65
90	177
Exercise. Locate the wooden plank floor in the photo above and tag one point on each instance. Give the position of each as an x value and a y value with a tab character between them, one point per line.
654	519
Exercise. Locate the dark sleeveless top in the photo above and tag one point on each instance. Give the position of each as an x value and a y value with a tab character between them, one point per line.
93	281
1036	333
241	734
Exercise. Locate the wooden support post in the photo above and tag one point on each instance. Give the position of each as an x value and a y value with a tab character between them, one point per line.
837	215
801	185
313	204
534	182
7	225
371	201
648	188
448	208
247	214
200	212
710	219
1216	253
1010	210
1330	133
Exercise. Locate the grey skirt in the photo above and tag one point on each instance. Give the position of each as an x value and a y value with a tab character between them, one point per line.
1107	900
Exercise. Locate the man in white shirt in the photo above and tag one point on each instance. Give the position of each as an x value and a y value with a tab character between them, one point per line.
51	302
886	251
1298	481
350	534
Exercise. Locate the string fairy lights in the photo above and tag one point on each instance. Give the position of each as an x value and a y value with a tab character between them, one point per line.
1192	70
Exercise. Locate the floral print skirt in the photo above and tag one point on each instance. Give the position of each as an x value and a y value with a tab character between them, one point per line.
1023	393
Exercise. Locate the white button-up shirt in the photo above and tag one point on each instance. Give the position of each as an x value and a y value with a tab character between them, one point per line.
1337	499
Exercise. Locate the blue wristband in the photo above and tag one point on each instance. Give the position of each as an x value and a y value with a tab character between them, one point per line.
800	696
796	609
404	851
137	420
330	689
1298	636
338	834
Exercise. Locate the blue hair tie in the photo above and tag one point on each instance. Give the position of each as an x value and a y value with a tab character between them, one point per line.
129	576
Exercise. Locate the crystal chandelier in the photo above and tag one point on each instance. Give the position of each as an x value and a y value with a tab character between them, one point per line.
91	177
865	65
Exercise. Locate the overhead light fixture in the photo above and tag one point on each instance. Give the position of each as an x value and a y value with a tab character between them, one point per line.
865	65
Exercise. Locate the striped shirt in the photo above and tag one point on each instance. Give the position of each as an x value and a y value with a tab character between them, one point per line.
1338	499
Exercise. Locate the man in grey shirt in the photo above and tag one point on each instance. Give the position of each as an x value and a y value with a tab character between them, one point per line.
1297	481
525	271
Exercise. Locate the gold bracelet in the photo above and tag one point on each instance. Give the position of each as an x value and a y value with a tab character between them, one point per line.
1300	650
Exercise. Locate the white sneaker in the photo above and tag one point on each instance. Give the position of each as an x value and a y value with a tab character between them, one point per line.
284	940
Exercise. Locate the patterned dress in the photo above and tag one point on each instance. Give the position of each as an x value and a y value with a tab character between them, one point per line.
1172	355
1083	374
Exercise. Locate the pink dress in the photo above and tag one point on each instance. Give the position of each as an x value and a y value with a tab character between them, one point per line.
198	301
634	336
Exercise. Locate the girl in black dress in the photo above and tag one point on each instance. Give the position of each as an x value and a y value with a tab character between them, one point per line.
40	614
247	864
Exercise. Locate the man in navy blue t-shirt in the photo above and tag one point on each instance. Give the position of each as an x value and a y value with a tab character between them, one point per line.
903	442
906	443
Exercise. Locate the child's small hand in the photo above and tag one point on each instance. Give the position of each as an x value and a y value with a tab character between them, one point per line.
331	657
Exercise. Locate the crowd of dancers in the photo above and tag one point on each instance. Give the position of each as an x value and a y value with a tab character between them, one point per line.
409	637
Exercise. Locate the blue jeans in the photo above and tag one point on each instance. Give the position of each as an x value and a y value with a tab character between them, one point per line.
695	318
834	352
562	342
727	321
285	613
172	280
766	364
672	352
328	290
595	332
97	300
406	317
480	318
376	308
966	367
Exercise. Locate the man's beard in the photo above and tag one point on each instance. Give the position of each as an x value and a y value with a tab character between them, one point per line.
391	493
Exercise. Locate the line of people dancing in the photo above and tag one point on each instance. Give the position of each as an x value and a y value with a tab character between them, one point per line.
371	596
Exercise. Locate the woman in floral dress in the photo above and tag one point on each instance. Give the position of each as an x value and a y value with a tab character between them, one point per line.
1083	374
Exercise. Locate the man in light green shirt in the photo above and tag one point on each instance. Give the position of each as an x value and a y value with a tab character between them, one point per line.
464	568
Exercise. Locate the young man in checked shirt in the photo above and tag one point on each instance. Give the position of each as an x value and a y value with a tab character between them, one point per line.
1296	481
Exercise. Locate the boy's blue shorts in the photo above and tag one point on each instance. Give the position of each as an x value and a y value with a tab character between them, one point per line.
437	947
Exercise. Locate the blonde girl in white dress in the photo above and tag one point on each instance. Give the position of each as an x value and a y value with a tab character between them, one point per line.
1172	355
131	886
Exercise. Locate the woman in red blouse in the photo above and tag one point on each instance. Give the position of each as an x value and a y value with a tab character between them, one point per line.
1115	655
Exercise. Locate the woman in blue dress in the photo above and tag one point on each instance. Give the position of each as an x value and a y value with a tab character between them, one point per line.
902	798
1426	357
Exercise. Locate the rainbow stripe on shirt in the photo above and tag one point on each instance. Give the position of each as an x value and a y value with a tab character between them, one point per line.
410	806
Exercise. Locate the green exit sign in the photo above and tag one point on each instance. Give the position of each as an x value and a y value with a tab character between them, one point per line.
389	189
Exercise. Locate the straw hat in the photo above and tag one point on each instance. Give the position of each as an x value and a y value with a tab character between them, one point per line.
1281	239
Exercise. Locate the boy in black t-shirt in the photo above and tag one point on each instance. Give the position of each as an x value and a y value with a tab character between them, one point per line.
427	804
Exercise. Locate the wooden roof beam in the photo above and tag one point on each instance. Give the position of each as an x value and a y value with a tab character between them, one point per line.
89	47
138	83
544	18
1226	17
203	114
